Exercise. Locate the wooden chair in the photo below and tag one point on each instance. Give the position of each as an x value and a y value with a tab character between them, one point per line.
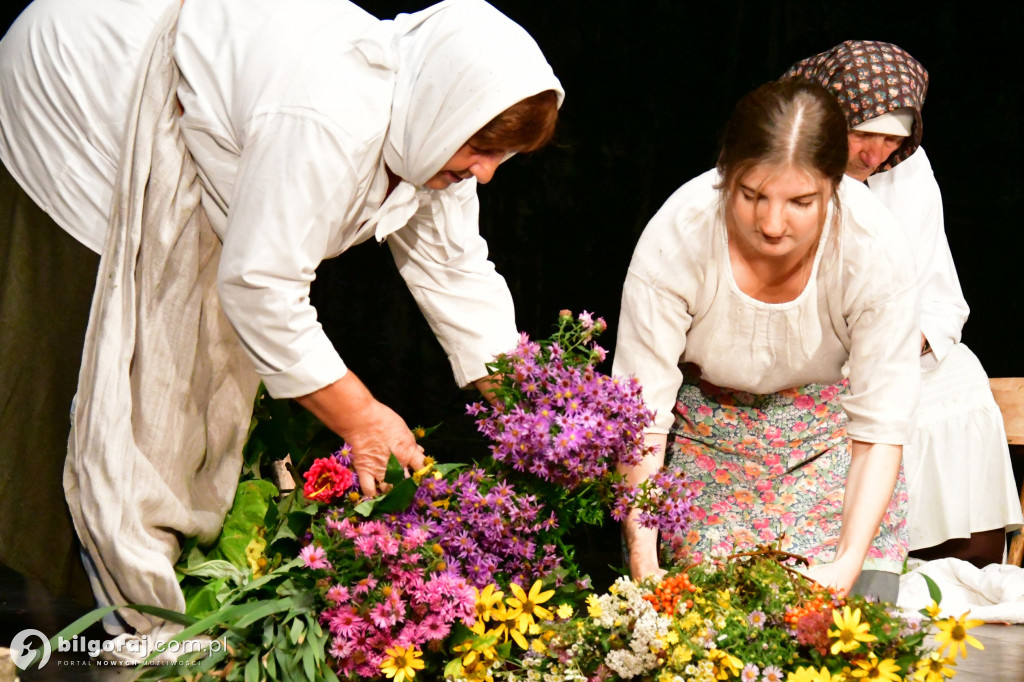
1009	395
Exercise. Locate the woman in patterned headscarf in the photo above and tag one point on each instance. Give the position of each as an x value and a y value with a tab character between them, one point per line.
959	436
873	81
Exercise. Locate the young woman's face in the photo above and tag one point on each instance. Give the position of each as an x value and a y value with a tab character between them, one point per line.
468	162
779	212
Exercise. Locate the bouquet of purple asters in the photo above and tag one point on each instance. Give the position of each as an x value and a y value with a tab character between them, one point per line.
555	416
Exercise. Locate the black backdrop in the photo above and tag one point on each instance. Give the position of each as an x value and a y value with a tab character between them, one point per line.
649	85
648	88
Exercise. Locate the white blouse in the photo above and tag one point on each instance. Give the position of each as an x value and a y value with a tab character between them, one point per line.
288	111
680	303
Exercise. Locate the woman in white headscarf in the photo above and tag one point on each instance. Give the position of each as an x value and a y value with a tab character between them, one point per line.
313	127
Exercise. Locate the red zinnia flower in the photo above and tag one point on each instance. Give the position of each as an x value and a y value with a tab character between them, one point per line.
326	480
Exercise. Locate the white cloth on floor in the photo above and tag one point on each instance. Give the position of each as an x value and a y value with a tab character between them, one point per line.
165	391
994	594
958	469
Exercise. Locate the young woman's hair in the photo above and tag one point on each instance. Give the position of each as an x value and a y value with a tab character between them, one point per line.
525	126
791	122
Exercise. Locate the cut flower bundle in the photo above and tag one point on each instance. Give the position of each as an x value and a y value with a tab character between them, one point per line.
466	572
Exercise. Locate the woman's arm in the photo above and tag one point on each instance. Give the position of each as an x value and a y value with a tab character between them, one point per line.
641	542
874	468
370	428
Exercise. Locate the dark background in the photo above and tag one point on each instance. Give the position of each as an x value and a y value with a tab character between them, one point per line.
648	87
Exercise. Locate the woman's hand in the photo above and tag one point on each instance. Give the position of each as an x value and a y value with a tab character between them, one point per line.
870	481
840	574
378	433
372	429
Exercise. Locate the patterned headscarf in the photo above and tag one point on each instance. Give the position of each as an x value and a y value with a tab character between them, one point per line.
868	79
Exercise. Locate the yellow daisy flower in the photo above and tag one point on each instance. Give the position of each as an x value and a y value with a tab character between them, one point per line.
851	632
728	665
953	634
594	606
401	663
564	611
487	601
933	668
933	610
529	605
803	674
871	668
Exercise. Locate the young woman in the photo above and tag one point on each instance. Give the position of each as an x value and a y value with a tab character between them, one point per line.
769	313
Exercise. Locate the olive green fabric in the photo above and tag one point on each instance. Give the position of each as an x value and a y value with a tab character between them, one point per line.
881	585
46	284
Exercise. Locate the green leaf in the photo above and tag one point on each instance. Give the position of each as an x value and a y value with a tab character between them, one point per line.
317	639
252	670
262	610
451	466
399	498
308	664
288	669
365	508
395	472
82	624
205	600
933	589
270	663
244	521
296	632
453	669
396	499
215	568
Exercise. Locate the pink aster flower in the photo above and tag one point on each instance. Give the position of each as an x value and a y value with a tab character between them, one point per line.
338	594
314	557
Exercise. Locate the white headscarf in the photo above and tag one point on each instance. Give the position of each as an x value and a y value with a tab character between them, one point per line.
458	64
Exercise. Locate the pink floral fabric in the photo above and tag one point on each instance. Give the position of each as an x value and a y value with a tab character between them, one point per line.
771	467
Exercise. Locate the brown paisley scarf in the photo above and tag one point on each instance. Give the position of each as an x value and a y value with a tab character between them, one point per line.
869	78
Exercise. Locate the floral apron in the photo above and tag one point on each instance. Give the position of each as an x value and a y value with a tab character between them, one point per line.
768	468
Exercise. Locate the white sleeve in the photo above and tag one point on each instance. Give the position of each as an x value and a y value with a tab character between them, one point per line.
943	308
653	323
444	262
882	312
295	182
910	191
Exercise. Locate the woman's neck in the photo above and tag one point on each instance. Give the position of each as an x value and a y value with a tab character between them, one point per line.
770	279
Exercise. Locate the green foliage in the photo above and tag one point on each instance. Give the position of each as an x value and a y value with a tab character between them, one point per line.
280	428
